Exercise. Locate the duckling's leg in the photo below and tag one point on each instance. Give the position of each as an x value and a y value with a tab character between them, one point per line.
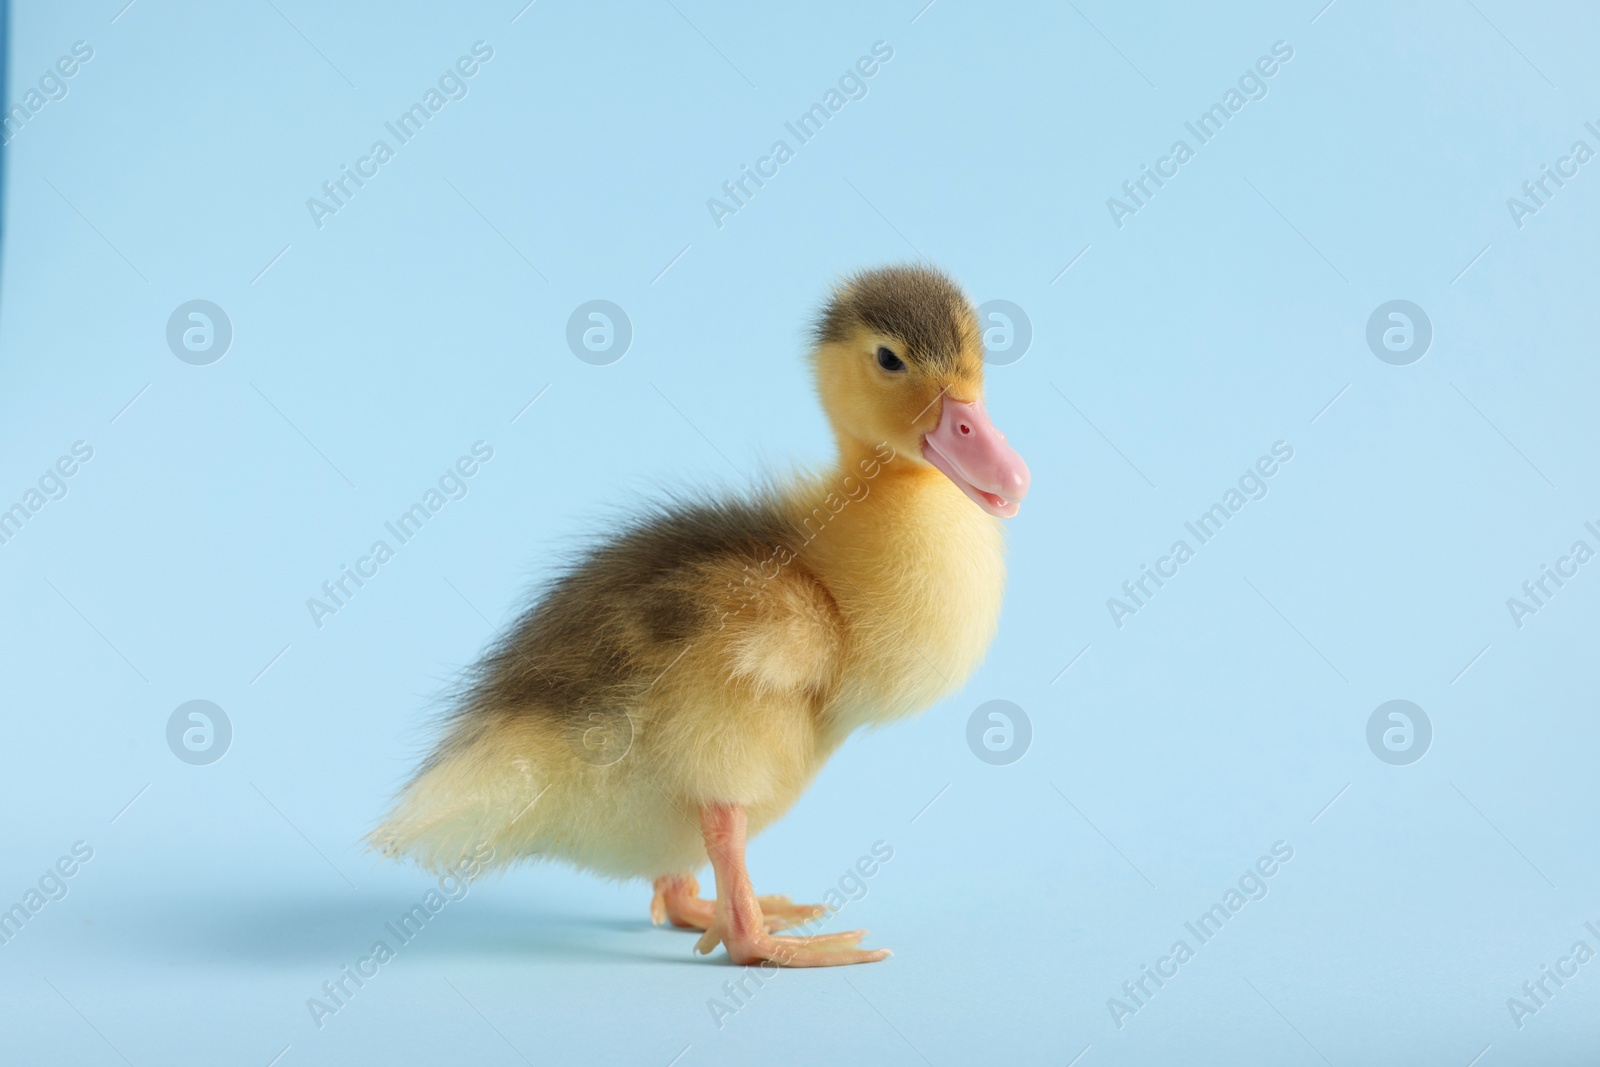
738	922
677	900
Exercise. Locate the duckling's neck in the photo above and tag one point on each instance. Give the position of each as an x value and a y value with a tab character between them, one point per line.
884	507
917	570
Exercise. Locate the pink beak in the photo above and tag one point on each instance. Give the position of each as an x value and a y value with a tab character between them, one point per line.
973	454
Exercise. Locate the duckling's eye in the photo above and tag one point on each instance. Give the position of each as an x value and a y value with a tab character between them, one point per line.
889	361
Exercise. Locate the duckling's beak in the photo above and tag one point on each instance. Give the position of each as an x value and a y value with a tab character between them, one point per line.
971	452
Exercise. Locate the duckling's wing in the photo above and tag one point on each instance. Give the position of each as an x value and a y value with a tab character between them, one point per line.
720	578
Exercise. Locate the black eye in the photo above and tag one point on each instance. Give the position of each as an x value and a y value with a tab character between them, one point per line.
889	361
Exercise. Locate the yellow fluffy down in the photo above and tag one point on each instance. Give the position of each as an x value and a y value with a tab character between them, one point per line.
746	714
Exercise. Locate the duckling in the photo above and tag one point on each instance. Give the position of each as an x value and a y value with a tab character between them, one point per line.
677	688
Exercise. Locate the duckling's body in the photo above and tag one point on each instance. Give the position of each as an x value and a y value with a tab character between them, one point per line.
680	686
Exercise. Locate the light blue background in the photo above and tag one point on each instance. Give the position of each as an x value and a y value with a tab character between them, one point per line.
1223	317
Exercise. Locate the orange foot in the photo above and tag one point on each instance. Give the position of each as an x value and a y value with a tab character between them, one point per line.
823	950
742	921
677	900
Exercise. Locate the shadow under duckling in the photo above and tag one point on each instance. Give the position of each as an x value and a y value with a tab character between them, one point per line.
677	689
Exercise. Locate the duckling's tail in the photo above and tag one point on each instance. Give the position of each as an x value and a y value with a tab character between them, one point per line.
471	799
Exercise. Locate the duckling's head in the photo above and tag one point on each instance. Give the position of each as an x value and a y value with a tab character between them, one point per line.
899	358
